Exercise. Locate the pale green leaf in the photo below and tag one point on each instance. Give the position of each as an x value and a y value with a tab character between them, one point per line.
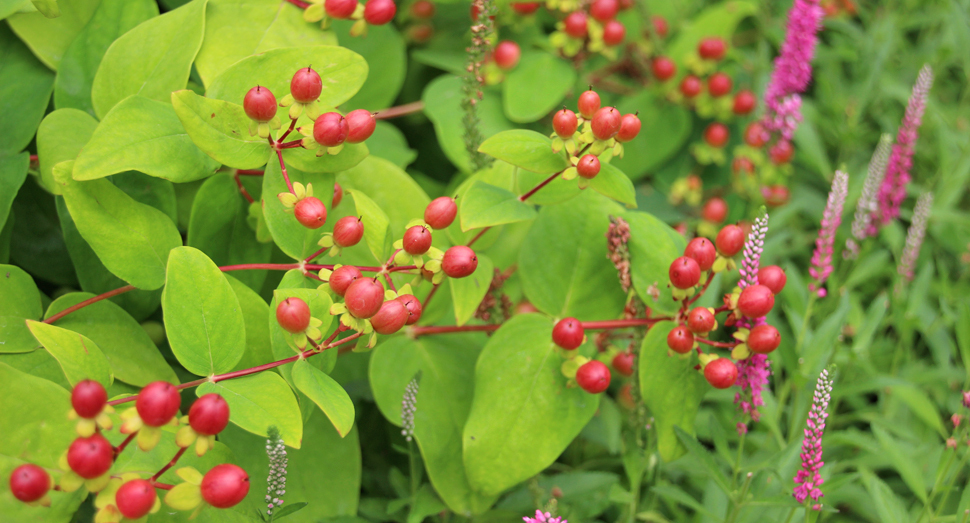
259	401
79	357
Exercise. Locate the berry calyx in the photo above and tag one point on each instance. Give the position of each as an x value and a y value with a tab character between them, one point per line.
565	123
604	10
157	403
721	373
680	339
525	8
364	297
684	272
588	103
330	129
90	457
756	301
606	122
342	277
623	363
568	333
588	166
306	86
209	414
88	398
293	314
629	128
417	240
730	240
348	231
763	339
360	125
660	25
700	320
506	54
379	12
28	483
690	86
744	102
310	212
716	134
414	307
593	377
260	104
773	277
135	498
663	68
340	9
719	84
338	194
422	9
711	48
613	32
715	210
224	485
781	152
391	318
576	25
459	261
702	251
755	135
440	212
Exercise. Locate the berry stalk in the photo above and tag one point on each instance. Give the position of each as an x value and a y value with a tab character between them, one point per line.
400	110
170	464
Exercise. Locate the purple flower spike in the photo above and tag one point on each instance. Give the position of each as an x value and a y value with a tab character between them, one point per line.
808	480
544	517
867	200
915	235
753	371
752	252
831	218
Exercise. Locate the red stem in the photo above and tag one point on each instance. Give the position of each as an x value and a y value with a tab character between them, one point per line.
291	145
588	325
710	278
288	131
721	344
163	486
424	306
314	255
34	158
477	236
170	464
279	154
426	331
622	324
120	448
249	172
243	190
256	266
89	301
401	110
542	184
299	3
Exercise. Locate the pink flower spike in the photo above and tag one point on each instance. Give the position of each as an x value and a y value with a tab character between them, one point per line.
915	235
831	218
753	371
867	200
753	248
808	480
966	399
543	517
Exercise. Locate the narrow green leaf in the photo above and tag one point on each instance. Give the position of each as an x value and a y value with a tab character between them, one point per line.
467	293
613	183
259	401
221	129
290	236
886	502
677	495
25	89
962	327
706	459
903	463
21	302
653	246
921	405
526	149
79	357
376	233
536	86
327	394
290	508
485	205
60	137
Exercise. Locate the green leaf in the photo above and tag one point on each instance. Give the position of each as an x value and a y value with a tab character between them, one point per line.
75	74
579	280
384	51
586	493
962	327
485	205
131	239
536	86
48	38
903	463
203	319
13	172
717	20
25	89
653	246
327	394
221	129
390	143
666	128
705	458
21	302
376	233
79	357
293	238
143	135
887	504
151	60
613	183
523	416
259	401
307	160
467	293
255	314
289	509
922	406
60	137
526	149
47	8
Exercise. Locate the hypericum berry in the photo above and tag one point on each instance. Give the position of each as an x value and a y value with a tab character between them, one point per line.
744	102
340	9
422	9
506	54
629	128
721	373
440	212
781	152
593	377
719	84
90	457
210	413
459	261
330	129
663	68
568	333
225	485
742	165
29	483
773	277
564	122
260	104
690	86
660	26
701	320
525	8
420	33
730	240
360	125
755	135
711	48
310	212
684	272
606	122
306	86
715	210
342	277
589	103
414	307
338	194
588	166
417	240
391	318
613	32
763	339
775	195
680	339
135	498
157	403
623	363
293	314
348	231
716	134
379	12
364	297
88	398
576	24
756	301
604	10
702	251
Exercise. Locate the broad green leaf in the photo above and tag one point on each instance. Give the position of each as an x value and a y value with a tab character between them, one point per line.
13	172
705	458
390	143
131	354
666	128
131	239
579	280
717	20
60	137
221	129
485	205
307	160
38	363
376	233
21	301
48	38
671	388
203	319
47	7
80	62
467	293
79	357
25	89
160	456
384	51
536	86
255	313
526	149
290	236
259	401
9	7
653	246
151	60
35	241
558	190
613	183
519	385
327	394
902	461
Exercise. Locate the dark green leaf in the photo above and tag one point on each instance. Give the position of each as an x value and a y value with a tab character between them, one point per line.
384	51
25	88
666	128
13	172
536	86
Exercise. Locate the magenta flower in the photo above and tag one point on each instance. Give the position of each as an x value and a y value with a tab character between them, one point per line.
831	218
544	517
753	371
808	480
752	252
966	399
867	204
915	235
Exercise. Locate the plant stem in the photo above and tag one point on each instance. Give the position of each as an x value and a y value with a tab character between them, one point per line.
249	172
588	325
89	301
287	132
710	278
120	448
400	110
477	236
299	3
541	184
720	344
314	255
170	464
286	177
242	189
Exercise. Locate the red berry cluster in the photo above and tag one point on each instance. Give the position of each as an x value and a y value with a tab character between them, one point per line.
593	27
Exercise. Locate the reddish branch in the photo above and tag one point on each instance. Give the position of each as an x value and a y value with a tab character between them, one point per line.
401	110
299	3
120	448
721	344
250	172
587	325
169	465
242	189
89	301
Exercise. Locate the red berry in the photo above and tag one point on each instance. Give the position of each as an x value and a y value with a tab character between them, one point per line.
360	125
342	277
459	261
348	231
588	104
379	12
715	210
690	86
663	68
680	339
756	301
730	240
440	212
338	194
210	413
721	373
565	123
604	10
606	122
629	128
701	320
417	240
306	86
660	26
755	135
568	333
422	9
90	457
712	48
773	277
742	165
525	8
588	166
340	9
157	403
775	195
29	483
744	102
506	54
719	84
684	272
625	397
364	297
702	251
391	318
88	398
225	485
260	104
613	32
420	33
293	314
593	377
763	339
781	152
330	129
414	307
716	134
135	498
310	212
623	363
576	24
